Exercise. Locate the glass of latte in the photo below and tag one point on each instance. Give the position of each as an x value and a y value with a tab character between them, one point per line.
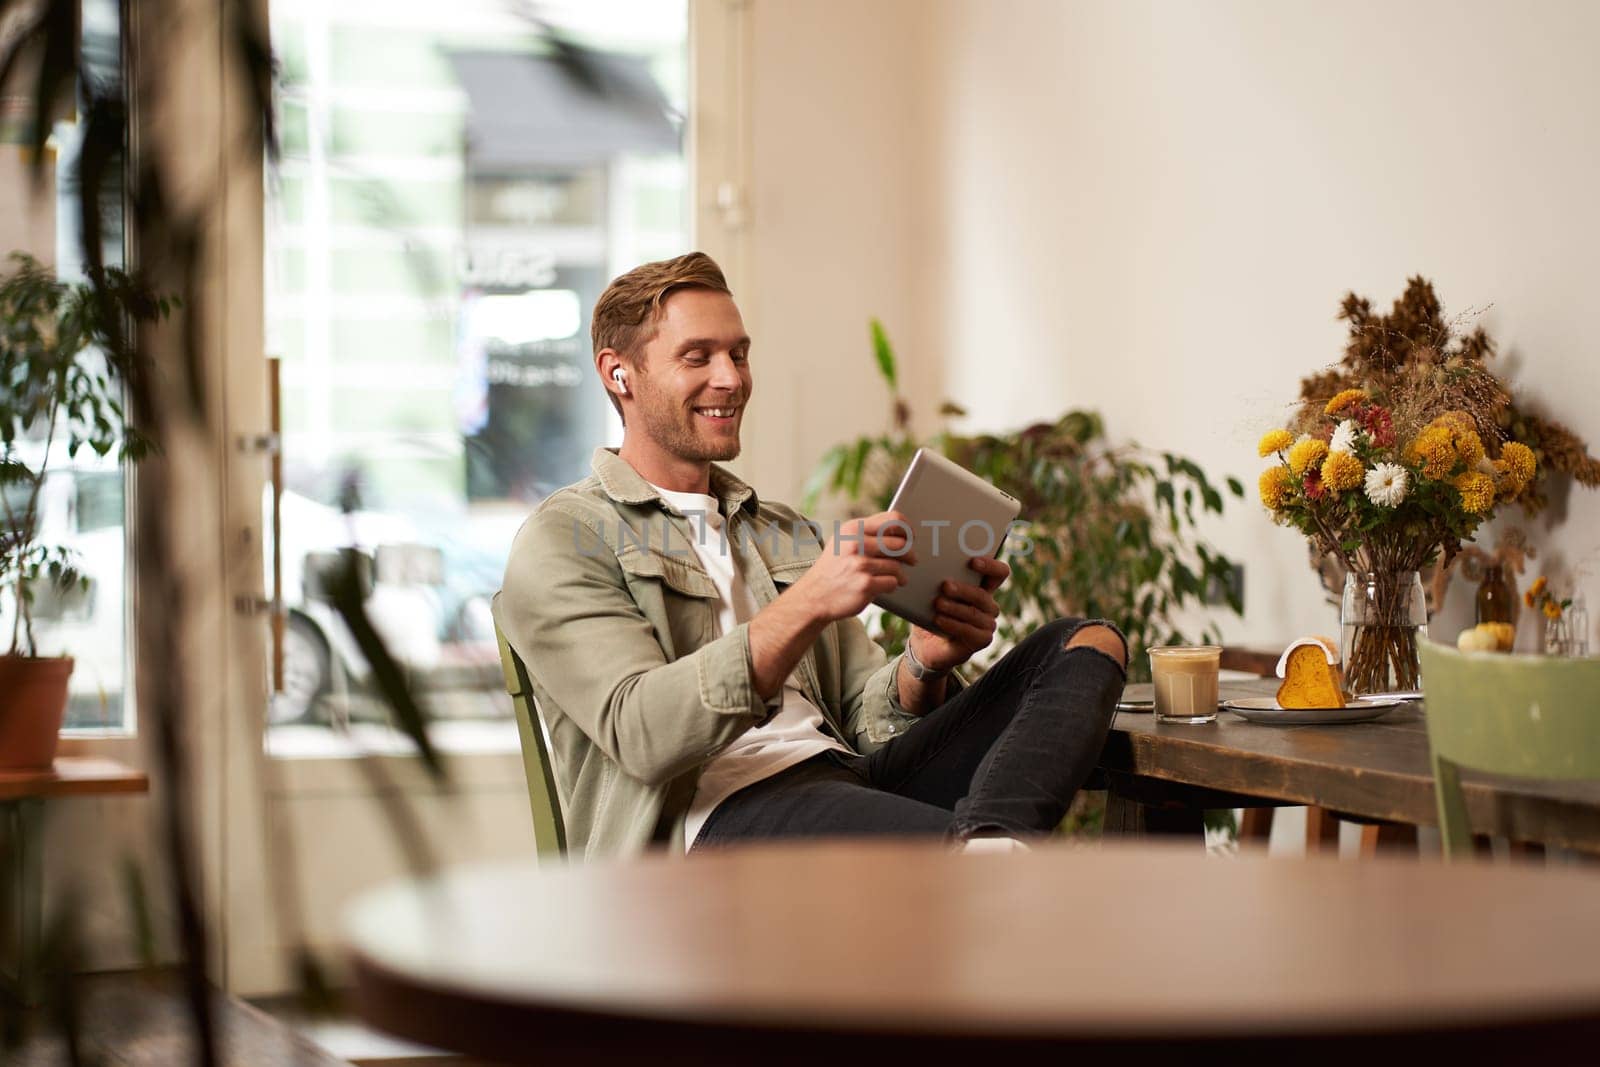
1185	678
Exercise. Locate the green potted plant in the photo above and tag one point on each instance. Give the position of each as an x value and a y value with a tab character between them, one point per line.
1112	529
60	393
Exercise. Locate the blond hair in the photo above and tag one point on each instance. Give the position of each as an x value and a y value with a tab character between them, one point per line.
626	314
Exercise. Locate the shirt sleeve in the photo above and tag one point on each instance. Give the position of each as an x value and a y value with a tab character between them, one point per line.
569	615
872	713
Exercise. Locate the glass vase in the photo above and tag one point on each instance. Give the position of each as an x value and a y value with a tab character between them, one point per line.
1557	637
1380	618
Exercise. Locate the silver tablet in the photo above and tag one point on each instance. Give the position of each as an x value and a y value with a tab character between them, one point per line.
954	515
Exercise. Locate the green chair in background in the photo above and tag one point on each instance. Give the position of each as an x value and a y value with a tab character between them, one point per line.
549	832
1524	716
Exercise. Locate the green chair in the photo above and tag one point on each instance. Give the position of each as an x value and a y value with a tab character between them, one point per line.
549	831
1523	716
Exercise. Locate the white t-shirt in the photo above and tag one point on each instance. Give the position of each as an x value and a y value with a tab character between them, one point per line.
795	732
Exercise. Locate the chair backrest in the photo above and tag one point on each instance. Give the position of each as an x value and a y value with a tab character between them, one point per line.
1527	716
549	831
1259	662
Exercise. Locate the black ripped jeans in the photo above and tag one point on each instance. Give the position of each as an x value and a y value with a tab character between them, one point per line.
1004	756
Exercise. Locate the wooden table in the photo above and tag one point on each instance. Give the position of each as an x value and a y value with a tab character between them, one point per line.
1375	770
22	797
879	952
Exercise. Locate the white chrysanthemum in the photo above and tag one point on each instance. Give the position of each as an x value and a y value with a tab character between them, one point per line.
1387	484
1344	437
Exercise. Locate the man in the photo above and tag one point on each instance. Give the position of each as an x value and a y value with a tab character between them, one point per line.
697	656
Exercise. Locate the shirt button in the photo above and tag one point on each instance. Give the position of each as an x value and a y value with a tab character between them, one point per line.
893	728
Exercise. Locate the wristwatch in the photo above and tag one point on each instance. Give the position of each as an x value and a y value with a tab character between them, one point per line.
919	670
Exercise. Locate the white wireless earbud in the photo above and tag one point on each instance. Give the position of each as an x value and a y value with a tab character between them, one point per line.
621	380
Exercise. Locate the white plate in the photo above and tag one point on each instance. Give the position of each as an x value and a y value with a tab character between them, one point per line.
1265	709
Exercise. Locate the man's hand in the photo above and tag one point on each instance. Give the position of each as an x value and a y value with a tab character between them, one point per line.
965	616
864	560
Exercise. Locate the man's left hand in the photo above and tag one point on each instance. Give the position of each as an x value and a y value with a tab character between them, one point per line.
965	616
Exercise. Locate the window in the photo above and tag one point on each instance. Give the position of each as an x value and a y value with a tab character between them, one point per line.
448	206
81	501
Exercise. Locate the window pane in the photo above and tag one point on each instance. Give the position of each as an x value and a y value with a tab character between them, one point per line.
80	501
449	204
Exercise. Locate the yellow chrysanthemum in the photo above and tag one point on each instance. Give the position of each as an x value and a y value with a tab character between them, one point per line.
1552	609
1540	584
1506	483
1477	492
1344	401
1274	441
1434	450
1342	471
1518	460
1306	453
1457	421
1469	446
1276	484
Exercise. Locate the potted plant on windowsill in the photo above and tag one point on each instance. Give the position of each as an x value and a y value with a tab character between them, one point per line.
60	393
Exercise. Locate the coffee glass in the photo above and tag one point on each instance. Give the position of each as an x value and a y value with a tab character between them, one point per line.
1185	678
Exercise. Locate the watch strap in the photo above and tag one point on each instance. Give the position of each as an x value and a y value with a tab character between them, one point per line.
919	670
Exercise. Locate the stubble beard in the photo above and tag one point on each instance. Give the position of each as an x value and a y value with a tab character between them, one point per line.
673	429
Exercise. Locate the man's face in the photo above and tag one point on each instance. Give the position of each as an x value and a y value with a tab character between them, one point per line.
695	380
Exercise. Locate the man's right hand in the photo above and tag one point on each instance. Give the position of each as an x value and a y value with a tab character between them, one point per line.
865	559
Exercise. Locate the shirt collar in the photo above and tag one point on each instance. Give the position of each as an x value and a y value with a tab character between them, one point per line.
624	485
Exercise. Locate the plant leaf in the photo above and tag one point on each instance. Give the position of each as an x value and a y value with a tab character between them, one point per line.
344	585
885	355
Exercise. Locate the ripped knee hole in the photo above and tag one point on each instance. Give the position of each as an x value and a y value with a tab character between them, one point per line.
1100	638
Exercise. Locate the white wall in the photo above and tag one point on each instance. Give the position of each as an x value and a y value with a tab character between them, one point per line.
837	105
1154	208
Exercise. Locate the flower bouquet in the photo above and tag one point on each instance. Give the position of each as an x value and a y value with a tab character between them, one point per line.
1384	492
1396	454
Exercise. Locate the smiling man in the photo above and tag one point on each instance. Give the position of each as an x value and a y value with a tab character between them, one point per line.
696	651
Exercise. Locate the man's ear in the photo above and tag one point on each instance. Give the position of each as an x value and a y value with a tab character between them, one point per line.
613	372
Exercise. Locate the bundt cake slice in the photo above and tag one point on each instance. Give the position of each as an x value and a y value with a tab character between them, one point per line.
1311	677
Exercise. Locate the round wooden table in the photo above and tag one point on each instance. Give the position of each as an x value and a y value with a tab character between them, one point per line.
783	953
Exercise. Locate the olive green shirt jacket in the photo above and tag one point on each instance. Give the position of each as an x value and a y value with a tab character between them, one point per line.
608	605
